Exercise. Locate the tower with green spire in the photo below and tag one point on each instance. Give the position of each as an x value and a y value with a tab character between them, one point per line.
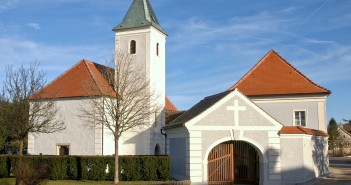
140	14
141	35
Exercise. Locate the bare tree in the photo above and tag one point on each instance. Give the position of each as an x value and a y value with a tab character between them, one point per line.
125	102
25	109
3	130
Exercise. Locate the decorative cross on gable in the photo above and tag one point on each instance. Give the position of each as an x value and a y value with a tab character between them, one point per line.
236	108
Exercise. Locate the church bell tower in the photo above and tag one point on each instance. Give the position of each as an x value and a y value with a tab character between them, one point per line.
141	35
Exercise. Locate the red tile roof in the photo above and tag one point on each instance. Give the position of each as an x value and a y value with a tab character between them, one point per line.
76	81
302	130
273	75
170	106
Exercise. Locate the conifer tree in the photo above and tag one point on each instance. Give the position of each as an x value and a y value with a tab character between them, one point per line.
333	134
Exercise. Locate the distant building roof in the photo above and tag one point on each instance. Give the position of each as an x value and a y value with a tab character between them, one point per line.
347	126
140	14
170	106
273	75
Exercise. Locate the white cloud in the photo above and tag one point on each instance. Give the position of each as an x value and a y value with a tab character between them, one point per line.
316	41
289	9
54	58
34	25
8	4
236	45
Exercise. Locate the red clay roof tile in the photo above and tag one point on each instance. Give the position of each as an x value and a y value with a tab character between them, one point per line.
76	81
273	75
169	105
302	130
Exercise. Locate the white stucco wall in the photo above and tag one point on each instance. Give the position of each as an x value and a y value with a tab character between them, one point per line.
304	157
153	68
217	125
282	109
80	138
178	149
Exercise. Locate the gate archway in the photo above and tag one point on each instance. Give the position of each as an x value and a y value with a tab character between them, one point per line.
233	162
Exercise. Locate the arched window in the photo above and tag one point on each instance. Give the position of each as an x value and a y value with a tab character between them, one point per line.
157	48
132	49
157	149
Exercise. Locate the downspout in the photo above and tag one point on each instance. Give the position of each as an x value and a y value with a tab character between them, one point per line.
165	140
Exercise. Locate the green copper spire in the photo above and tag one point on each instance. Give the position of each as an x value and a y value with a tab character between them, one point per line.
140	14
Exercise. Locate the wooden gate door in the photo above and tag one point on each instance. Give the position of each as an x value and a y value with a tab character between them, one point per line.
233	162
220	164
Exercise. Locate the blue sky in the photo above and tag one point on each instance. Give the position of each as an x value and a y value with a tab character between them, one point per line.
211	44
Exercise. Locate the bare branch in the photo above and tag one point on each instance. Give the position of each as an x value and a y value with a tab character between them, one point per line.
25	110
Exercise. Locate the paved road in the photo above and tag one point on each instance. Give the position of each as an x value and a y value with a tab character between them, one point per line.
340	172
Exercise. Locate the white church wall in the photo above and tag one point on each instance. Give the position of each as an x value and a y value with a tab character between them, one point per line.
157	77
79	138
136	141
316	156
178	150
220	124
308	164
153	66
282	107
157	64
308	159
291	161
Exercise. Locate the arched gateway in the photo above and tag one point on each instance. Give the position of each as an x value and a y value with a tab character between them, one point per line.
228	139
233	162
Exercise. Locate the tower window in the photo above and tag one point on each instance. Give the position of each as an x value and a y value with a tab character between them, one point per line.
157	48
132	47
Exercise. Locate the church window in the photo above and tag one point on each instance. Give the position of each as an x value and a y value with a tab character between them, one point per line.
62	149
132	49
300	118
157	49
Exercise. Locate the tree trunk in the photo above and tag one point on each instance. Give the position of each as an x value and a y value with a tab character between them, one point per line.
116	180
19	162
21	148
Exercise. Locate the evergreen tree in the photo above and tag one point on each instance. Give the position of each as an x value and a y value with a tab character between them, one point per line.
333	134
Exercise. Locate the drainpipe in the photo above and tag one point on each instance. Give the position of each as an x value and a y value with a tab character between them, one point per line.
165	140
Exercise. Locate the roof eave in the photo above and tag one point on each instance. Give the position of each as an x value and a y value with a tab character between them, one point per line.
119	28
265	95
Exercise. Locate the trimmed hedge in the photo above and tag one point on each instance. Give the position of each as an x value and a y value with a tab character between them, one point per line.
98	168
3	167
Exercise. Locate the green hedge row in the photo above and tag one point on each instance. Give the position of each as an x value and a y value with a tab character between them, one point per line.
131	168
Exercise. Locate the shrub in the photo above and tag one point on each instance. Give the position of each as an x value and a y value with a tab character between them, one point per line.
164	166
149	170
32	172
3	167
94	168
59	167
73	168
132	168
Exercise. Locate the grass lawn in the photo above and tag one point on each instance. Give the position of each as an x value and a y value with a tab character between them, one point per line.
11	181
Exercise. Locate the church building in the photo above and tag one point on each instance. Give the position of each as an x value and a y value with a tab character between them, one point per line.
269	128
